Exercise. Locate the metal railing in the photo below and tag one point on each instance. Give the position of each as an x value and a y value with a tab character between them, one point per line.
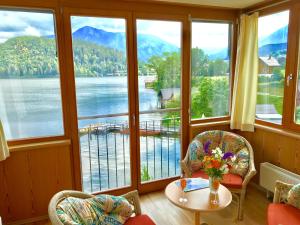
105	152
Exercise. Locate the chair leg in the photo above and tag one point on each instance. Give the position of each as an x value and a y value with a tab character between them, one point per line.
241	205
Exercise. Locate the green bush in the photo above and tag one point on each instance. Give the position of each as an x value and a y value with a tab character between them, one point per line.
145	176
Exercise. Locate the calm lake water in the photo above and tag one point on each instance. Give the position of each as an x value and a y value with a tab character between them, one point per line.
32	107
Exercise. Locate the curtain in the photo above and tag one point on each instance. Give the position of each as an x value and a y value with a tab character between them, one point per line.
4	151
246	73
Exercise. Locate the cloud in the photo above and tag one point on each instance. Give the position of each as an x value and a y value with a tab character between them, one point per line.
271	23
107	24
16	23
210	36
169	31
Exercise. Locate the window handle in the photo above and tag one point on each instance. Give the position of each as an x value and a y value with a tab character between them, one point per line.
133	120
288	79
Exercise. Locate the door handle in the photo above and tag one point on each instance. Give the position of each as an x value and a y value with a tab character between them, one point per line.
133	120
288	79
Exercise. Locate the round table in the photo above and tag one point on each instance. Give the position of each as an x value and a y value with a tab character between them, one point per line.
199	200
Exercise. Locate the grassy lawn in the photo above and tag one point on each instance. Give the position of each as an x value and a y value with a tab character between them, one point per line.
272	100
272	88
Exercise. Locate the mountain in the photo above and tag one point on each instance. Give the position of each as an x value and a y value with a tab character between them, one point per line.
273	44
148	45
272	49
277	37
30	56
114	40
223	54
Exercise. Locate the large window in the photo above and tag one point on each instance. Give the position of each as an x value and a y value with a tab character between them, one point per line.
159	61
210	68
272	38
30	98
297	96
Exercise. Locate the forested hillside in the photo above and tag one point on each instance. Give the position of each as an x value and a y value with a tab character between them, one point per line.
36	56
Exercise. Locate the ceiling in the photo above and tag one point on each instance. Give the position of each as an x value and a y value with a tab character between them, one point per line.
221	3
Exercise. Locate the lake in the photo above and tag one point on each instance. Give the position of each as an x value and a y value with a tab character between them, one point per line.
32	107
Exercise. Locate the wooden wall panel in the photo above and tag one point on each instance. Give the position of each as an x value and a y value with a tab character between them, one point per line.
30	179
278	149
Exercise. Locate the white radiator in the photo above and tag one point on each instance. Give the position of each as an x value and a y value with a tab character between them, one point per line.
269	173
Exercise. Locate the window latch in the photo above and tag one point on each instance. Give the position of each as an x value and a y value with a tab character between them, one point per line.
288	79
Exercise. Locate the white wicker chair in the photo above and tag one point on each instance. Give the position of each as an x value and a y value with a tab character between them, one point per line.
185	165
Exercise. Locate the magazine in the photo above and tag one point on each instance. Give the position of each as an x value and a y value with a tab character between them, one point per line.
194	184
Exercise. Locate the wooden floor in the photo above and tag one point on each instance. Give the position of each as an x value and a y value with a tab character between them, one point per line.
158	207
164	212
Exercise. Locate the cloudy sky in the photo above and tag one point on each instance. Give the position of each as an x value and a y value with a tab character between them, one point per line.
271	23
15	23
205	35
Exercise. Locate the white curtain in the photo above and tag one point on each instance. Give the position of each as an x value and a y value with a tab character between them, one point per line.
246	73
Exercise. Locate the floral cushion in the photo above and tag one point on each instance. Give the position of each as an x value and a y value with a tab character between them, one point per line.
211	138
101	209
196	155
294	196
228	142
231	143
241	164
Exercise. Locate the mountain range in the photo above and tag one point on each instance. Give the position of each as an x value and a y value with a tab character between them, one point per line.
148	45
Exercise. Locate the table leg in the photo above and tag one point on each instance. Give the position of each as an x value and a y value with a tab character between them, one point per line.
197	218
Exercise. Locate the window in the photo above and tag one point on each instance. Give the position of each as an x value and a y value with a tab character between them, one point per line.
159	61
210	68
272	43
297	96
30	98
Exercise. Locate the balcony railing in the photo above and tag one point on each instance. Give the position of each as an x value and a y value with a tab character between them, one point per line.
105	152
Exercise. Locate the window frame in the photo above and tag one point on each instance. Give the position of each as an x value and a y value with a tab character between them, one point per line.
57	25
232	47
289	103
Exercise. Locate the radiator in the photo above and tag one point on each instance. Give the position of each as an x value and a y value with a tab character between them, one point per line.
269	173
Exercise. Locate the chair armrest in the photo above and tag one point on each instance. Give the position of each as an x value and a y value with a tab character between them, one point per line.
281	191
133	198
185	166
252	171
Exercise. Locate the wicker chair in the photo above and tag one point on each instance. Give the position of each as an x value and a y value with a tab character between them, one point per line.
132	197
240	190
280	213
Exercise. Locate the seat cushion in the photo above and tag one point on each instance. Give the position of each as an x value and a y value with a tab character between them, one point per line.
139	220
229	180
283	214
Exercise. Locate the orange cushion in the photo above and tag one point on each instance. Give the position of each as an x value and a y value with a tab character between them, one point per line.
229	180
283	214
139	220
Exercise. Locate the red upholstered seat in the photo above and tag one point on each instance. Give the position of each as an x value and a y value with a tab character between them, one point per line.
140	220
229	180
283	214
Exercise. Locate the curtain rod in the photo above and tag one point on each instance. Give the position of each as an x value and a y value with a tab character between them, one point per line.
267	6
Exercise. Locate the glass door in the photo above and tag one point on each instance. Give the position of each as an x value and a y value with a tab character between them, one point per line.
159	84
101	78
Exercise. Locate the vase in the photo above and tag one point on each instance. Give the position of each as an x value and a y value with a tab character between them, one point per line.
214	184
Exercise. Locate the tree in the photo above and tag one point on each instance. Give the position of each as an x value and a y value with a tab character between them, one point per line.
212	98
200	62
217	67
168	70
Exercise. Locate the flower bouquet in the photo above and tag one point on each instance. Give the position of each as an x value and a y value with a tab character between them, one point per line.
216	164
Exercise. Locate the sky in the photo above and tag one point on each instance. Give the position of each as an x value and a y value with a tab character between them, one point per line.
269	24
204	35
210	36
15	24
